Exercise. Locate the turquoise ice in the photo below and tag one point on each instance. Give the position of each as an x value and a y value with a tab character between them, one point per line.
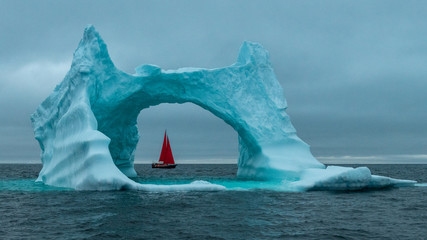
87	128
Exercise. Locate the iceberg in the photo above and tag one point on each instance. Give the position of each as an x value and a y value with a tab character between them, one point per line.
87	127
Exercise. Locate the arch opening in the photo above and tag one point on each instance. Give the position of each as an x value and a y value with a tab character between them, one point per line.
196	135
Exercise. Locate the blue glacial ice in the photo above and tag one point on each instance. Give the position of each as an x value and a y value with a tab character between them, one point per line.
87	127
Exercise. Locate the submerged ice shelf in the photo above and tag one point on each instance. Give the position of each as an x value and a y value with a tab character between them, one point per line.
88	134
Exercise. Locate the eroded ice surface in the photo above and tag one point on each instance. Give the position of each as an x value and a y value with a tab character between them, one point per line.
87	127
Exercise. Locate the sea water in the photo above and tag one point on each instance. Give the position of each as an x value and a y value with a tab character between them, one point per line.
247	210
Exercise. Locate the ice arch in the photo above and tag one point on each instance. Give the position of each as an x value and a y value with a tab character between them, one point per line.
87	127
96	103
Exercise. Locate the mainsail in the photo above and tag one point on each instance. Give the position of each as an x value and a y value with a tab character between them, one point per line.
166	154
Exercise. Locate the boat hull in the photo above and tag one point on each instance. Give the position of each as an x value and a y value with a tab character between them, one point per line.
158	165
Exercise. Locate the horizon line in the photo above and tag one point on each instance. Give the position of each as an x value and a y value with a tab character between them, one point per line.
347	159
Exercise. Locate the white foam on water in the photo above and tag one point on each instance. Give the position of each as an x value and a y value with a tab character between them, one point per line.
198	185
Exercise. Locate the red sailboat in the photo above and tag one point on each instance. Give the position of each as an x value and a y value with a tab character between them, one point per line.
166	157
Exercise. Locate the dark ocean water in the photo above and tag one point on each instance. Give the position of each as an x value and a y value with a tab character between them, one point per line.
35	211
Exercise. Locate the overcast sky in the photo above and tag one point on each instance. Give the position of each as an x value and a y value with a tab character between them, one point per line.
354	73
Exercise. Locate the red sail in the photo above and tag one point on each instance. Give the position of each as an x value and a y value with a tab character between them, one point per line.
166	155
169	156
163	152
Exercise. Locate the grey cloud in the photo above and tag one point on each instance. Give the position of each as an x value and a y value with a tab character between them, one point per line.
353	72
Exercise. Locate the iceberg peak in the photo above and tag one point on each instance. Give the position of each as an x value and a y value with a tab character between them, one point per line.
251	52
91	50
90	33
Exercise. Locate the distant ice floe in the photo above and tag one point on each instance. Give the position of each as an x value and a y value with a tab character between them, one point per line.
345	178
